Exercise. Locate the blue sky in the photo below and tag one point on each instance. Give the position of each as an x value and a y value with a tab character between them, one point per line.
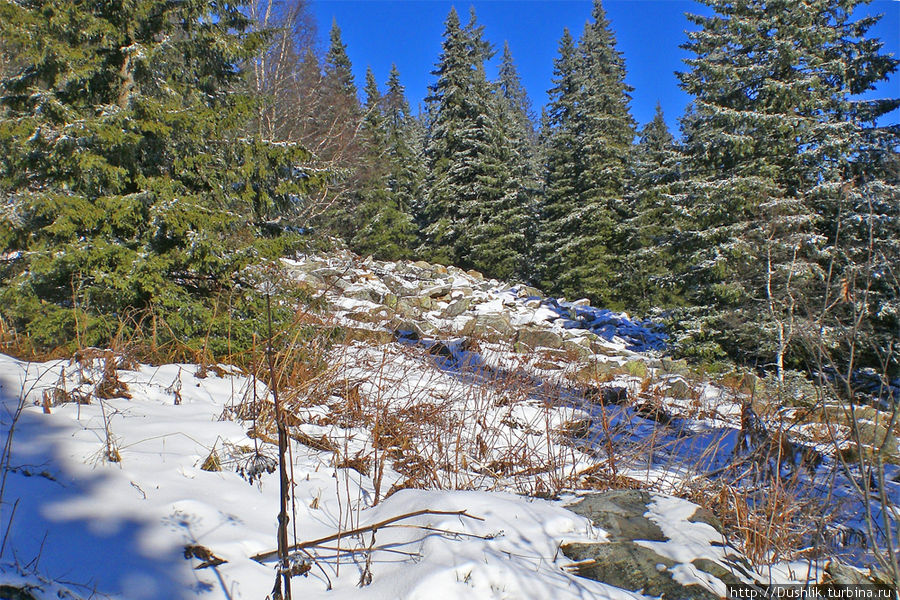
648	32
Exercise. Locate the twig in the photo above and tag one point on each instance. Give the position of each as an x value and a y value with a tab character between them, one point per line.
264	556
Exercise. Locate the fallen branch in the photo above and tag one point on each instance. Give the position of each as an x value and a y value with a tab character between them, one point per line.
264	556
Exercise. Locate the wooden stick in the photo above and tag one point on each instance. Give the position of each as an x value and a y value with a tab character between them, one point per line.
264	556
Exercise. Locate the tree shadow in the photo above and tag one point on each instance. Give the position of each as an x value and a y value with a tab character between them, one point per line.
54	526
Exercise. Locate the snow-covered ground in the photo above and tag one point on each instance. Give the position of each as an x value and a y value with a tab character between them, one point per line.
121	528
463	398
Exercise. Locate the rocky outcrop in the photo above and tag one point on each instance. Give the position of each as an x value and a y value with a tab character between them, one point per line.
639	553
417	300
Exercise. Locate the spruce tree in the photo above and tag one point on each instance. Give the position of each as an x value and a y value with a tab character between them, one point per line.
654	228
774	143
340	148
384	228
477	199
590	131
458	144
522	160
132	196
559	132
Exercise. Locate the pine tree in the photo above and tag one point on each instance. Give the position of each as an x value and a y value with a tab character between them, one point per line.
131	195
654	229
458	143
590	131
477	200
385	228
340	148
774	134
404	157
522	160
558	217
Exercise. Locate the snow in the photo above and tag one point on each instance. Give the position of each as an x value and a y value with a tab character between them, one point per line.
481	425
121	528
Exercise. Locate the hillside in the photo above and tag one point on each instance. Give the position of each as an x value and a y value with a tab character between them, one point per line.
506	445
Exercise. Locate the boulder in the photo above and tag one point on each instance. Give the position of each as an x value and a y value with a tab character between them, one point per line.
621	514
376	314
492	327
635	556
632	567
456	308
537	337
525	291
399	286
676	387
436	291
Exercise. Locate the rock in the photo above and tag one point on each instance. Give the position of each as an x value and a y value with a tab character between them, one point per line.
390	300
603	348
358	292
676	388
371	336
535	337
716	570
525	291
412	330
594	372
475	274
492	327
678	367
399	286
376	314
533	303
629	566
621	514
703	515
627	561
436	291
840	574
581	302
456	308
580	346
11	592
426	303
870	423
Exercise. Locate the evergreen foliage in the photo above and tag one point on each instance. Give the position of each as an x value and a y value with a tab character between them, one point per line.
476	201
588	133
128	194
390	178
778	152
654	229
341	144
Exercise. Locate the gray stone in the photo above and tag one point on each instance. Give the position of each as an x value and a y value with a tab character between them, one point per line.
677	388
399	286
492	327
526	291
536	337
703	515
456	308
632	567
436	291
358	292
621	514
377	314
579	346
